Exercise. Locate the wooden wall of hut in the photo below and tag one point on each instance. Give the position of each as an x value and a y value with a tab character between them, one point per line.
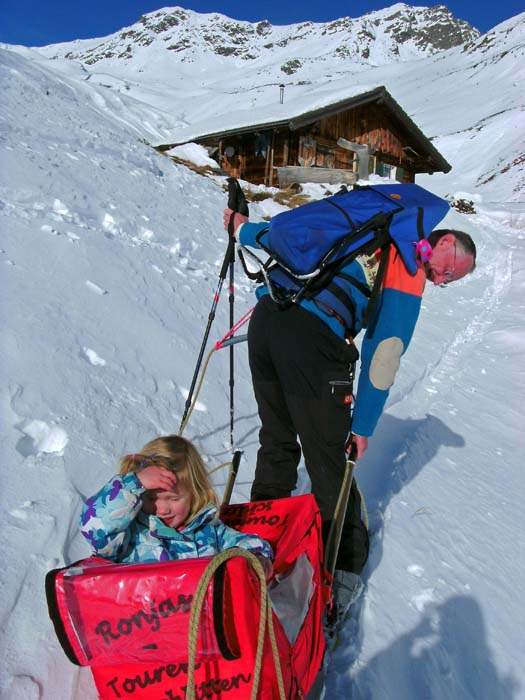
249	159
369	124
255	156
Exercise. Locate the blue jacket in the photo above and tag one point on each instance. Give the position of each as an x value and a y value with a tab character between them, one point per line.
116	528
388	334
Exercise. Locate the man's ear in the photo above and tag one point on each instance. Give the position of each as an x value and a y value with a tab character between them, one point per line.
446	241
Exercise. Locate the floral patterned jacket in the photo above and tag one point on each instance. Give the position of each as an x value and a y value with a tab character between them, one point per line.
116	528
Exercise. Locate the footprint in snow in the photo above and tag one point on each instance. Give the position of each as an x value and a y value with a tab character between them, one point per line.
24	687
24	511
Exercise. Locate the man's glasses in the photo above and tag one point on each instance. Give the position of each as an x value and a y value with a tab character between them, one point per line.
448	275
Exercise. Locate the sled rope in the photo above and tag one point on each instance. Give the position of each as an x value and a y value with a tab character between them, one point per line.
221	466
265	622
228	480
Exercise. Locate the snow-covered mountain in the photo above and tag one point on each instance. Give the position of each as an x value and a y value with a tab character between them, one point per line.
109	256
400	32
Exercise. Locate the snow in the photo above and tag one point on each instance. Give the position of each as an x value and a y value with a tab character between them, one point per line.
110	255
193	153
45	438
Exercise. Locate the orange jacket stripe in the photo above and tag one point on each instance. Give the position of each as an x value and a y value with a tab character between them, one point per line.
397	277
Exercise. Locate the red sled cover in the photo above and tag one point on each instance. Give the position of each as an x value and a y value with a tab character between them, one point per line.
129	622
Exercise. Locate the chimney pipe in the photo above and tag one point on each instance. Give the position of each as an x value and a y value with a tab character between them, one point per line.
281	93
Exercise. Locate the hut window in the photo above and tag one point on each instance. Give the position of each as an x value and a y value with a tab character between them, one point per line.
391	171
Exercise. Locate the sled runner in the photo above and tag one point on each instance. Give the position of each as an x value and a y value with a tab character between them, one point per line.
132	623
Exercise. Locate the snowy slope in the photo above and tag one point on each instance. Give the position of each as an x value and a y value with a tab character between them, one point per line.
110	256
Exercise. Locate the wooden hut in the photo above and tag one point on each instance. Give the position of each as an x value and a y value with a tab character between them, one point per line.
364	134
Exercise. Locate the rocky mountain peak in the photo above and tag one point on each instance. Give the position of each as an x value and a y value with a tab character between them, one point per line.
400	32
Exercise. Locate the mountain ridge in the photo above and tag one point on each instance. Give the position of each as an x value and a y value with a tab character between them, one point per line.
400	32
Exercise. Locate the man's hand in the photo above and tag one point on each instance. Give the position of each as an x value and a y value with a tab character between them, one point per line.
358	445
157	478
238	220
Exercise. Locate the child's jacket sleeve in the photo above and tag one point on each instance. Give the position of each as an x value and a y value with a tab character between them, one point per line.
228	538
108	515
386	340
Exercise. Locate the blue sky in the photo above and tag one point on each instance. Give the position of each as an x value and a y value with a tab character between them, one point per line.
40	22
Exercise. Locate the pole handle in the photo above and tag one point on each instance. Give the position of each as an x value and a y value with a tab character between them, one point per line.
236	199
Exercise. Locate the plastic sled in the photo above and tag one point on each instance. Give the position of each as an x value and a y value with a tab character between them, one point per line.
130	622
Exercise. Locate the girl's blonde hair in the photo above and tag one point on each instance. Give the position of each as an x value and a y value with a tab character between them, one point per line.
182	458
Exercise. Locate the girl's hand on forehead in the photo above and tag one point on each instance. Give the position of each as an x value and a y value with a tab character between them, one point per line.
157	478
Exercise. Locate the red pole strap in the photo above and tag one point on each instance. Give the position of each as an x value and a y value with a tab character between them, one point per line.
220	343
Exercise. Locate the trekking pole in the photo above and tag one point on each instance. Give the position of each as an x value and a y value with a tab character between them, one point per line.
237	203
336	528
222	276
231	299
232	477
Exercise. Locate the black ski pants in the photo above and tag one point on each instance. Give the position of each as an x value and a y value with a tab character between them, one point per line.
300	374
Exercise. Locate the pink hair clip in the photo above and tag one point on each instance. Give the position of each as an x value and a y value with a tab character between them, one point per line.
423	250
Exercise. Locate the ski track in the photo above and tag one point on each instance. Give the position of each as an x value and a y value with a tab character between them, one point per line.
461	346
435	376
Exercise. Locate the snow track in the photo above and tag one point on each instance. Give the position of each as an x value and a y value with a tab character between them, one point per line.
479	316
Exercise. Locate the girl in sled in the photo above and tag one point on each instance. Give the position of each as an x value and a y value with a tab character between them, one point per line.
160	507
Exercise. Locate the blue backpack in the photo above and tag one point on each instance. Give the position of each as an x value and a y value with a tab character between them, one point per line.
309	245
